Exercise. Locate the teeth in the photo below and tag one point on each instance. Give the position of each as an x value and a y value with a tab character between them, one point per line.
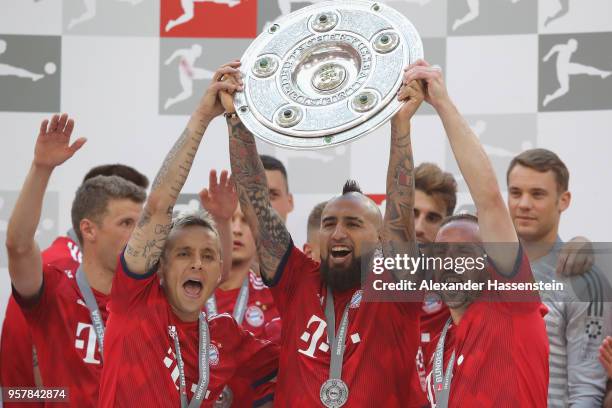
340	248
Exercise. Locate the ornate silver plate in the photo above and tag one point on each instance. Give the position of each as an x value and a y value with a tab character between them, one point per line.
326	74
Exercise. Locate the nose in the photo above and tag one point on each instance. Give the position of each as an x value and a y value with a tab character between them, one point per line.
419	224
524	202
197	263
236	228
339	232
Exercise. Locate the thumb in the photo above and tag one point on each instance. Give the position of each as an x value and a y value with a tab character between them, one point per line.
77	144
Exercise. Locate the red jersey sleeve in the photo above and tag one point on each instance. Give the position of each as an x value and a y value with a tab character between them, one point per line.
37	307
514	301
131	289
293	269
258	363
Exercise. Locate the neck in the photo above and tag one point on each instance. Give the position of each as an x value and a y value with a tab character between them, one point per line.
98	277
457	313
186	317
237	275
540	247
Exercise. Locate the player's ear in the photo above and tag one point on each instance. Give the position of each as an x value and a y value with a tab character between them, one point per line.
307	250
564	200
88	230
290	202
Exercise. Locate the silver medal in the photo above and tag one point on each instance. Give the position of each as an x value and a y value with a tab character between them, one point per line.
225	399
334	393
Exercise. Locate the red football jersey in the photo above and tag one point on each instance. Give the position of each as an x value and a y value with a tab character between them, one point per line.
431	322
140	362
380	345
260	308
259	314
501	351
66	343
16	345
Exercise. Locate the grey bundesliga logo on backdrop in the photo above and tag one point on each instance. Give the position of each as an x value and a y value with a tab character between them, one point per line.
30	81
111	17
503	137
489	17
186	67
575	74
48	228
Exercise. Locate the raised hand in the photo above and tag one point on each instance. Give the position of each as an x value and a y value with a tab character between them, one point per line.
412	94
434	86
210	105
220	199
53	143
576	257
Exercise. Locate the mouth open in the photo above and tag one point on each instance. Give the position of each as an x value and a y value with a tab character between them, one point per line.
340	252
193	288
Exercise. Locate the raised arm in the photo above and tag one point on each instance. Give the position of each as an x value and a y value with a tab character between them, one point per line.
149	237
398	236
52	149
269	231
493	216
220	199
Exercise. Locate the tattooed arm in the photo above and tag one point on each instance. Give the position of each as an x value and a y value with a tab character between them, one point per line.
398	235
149	237
271	235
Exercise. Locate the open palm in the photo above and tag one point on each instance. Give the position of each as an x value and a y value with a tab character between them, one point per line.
53	143
220	199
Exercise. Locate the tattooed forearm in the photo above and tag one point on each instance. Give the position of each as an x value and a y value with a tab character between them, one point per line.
398	225
148	239
270	232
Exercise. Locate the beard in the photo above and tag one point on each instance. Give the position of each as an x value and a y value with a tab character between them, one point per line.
341	279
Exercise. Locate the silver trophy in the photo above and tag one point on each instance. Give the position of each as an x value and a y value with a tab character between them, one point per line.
326	74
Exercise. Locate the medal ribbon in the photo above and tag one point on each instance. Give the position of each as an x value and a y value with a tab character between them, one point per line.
337	343
441	381
92	305
204	368
239	308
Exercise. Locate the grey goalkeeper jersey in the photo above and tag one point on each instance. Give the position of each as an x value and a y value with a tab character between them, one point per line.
577	322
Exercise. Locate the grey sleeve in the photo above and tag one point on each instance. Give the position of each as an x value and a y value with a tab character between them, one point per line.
586	377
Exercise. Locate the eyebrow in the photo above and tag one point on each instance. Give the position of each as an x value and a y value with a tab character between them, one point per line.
356	219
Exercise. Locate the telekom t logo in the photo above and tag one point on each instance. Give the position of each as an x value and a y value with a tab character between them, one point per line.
313	339
319	331
88	342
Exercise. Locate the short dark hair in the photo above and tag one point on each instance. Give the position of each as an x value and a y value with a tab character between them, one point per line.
92	197
459	217
272	163
542	160
430	179
121	170
314	219
351	186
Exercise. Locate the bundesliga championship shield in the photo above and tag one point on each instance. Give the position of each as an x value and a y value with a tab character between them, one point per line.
326	74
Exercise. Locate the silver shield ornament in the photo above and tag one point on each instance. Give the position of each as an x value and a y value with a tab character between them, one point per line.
334	393
326	74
